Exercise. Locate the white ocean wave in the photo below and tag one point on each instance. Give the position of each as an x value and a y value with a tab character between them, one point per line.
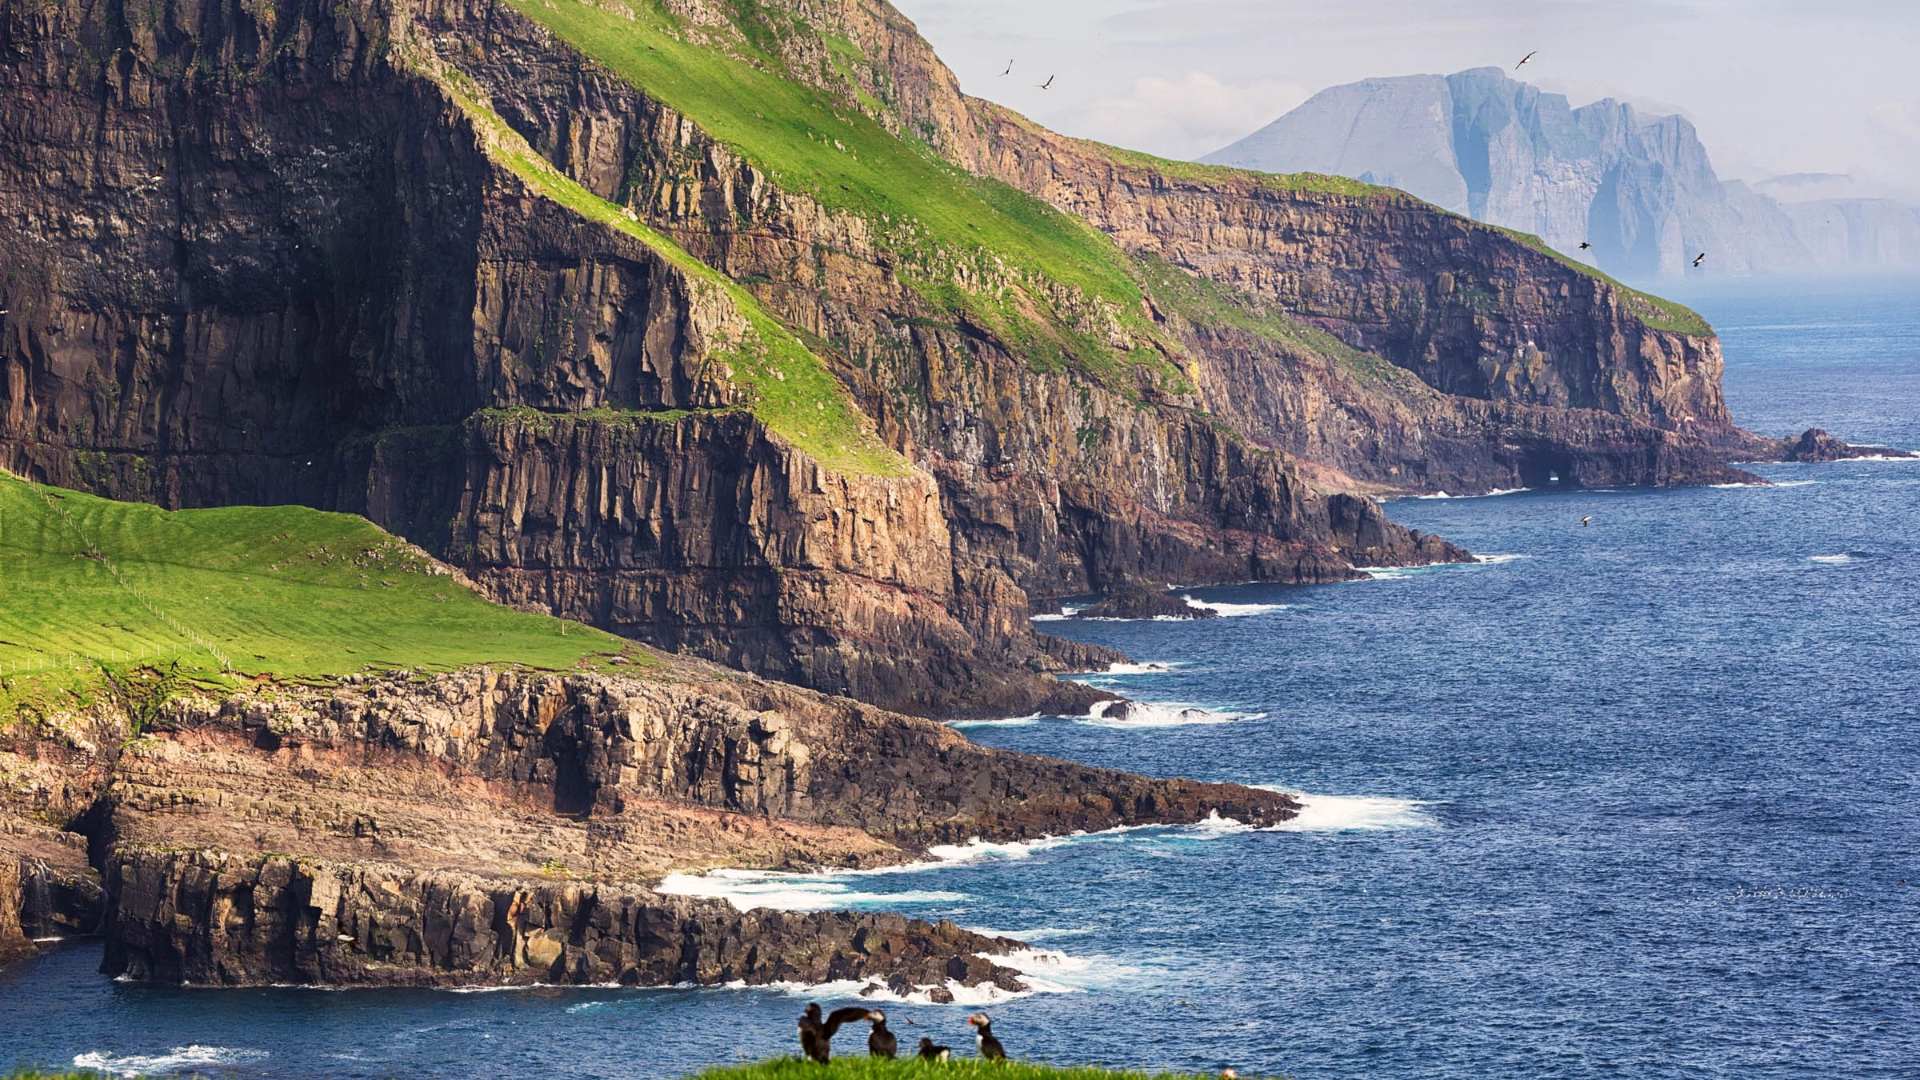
1391	573
179	1059
1773	484
750	889
1149	667
821	890
1484	495
1010	721
922	994
1836	560
1067	611
1039	933
1231	611
1126	715
1348	813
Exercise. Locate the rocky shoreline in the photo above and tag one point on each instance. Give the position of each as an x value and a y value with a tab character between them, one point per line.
503	827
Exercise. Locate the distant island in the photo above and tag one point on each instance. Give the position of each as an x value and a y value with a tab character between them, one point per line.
1638	187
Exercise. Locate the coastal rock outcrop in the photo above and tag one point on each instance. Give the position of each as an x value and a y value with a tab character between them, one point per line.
348	292
218	920
1816	445
1140	600
499	827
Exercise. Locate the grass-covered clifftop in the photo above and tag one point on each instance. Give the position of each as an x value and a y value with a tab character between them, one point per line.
968	245
237	591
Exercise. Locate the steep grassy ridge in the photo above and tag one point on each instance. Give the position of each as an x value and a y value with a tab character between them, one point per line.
281	589
969	245
794	393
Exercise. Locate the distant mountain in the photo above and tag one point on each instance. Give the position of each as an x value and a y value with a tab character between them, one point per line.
1636	186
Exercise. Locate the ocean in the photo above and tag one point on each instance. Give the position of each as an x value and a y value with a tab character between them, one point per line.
1634	799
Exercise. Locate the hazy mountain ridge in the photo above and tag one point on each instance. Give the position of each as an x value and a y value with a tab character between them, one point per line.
1638	187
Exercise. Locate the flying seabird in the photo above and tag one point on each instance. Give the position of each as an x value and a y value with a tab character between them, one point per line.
1048	85
880	1041
1524	59
1700	258
990	1047
1585	244
1586	519
816	1035
1009	70
930	1052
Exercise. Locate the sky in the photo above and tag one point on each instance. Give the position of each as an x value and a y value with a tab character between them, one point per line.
1773	86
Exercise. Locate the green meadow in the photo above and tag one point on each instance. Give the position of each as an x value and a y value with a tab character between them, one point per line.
239	591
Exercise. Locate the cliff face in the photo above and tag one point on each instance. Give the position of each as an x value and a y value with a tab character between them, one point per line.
213	920
1637	188
267	259
431	262
485	828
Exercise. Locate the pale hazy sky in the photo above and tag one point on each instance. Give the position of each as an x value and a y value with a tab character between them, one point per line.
1774	86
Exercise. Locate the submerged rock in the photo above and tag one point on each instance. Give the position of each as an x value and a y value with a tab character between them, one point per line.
1816	445
1137	600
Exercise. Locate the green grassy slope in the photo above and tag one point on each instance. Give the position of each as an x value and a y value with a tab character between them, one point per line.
281	590
945	224
804	404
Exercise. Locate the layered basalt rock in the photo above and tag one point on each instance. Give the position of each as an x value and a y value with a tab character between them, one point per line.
488	827
259	260
215	920
1816	445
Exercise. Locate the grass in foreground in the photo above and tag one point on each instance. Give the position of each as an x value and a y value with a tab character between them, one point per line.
858	1066
248	590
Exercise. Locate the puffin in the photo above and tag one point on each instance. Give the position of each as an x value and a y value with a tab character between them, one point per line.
990	1047
816	1035
880	1041
930	1052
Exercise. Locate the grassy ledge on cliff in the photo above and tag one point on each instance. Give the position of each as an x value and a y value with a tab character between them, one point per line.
1045	282
241	591
794	393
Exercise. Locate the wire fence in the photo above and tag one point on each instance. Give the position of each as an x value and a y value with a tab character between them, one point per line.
89	661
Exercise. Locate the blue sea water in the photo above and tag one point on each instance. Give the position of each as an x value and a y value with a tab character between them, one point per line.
1637	800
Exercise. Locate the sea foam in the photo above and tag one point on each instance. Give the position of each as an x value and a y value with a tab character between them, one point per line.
179	1059
1129	715
1348	813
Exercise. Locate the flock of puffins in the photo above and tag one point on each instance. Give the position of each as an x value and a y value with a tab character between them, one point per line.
816	1036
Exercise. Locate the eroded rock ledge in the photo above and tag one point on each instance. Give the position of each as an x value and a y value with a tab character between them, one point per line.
502	827
226	920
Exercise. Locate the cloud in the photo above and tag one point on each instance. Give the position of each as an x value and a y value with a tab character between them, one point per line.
1184	117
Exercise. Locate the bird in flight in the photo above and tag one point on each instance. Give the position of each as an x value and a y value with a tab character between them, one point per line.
1586	519
1009	70
1585	244
1700	258
1524	59
1048	85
